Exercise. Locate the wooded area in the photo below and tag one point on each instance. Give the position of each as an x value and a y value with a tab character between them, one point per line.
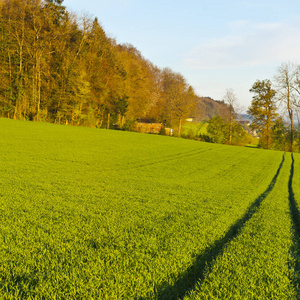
61	68
58	67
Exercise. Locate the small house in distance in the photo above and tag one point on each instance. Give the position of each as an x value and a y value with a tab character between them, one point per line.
244	122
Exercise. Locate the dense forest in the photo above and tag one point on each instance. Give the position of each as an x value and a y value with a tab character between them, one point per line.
58	67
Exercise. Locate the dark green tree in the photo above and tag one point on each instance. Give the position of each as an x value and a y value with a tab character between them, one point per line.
222	131
217	130
58	10
280	135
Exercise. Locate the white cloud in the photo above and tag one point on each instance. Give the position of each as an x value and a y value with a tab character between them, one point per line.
248	44
268	26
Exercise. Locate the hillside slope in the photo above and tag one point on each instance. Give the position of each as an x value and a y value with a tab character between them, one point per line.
207	108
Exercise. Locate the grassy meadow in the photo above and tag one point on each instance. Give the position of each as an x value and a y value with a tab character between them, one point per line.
100	214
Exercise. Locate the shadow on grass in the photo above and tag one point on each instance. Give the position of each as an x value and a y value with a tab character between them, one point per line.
252	146
205	261
294	210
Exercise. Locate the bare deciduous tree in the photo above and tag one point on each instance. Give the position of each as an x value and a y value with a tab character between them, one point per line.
231	100
286	79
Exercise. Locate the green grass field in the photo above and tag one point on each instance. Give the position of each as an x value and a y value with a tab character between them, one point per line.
100	214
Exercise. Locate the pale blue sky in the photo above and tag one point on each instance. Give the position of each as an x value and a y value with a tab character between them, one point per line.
214	44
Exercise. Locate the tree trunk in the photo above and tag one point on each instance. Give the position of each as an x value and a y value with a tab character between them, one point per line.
179	127
292	129
39	89
120	120
230	131
108	120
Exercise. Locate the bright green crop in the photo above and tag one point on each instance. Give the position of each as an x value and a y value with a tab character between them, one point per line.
258	263
99	214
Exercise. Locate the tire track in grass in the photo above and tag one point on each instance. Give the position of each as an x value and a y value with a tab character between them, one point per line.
295	214
205	261
173	158
163	159
149	161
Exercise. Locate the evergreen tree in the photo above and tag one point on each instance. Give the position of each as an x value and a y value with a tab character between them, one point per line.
263	110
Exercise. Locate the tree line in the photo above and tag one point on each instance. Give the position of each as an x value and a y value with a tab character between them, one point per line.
275	113
61	68
275	109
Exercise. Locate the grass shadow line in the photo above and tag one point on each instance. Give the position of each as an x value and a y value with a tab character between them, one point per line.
295	214
205	261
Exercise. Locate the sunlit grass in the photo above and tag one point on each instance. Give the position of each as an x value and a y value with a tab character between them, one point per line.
106	214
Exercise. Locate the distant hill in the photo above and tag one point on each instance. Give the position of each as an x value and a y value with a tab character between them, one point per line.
245	117
208	108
